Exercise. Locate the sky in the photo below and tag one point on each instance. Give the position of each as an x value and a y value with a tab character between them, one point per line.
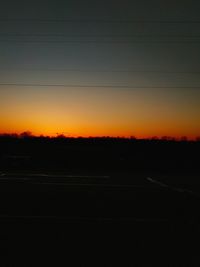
96	68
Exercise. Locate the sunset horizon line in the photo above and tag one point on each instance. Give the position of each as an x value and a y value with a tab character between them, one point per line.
29	134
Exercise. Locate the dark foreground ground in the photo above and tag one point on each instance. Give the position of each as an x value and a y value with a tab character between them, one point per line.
99	203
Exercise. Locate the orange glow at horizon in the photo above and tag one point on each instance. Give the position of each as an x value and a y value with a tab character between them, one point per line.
98	112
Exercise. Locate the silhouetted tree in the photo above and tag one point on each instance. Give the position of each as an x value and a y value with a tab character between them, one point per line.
26	134
166	138
154	138
184	138
61	136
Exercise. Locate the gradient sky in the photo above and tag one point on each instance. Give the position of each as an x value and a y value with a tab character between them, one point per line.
138	69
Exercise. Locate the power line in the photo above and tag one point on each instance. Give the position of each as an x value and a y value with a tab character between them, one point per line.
61	20
64	37
101	41
96	86
146	35
99	71
98	38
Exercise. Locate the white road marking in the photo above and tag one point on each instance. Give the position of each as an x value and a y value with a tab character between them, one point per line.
55	175
90	184
178	189
156	182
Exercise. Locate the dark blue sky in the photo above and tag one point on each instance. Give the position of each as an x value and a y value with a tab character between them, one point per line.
151	47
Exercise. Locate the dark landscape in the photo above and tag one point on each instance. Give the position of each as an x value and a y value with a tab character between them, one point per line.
100	133
99	201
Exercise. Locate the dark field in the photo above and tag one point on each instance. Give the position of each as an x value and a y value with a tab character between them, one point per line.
99	202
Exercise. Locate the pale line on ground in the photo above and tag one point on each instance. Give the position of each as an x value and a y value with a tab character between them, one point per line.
54	175
86	184
178	189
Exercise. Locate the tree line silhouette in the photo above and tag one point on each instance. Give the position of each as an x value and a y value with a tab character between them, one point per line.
30	135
